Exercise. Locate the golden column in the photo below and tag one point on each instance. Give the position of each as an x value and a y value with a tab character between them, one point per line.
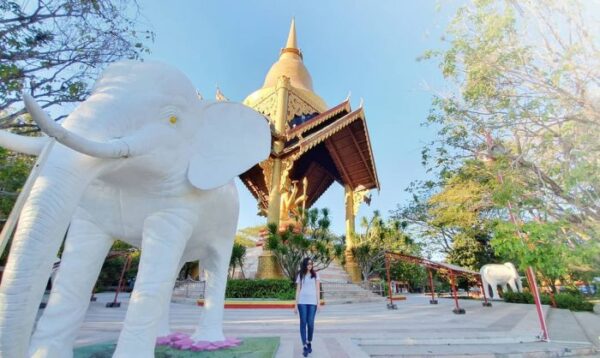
283	88
267	262
351	266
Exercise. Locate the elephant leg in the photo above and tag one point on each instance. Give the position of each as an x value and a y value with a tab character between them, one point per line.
519	284
486	287
165	236
164	328
85	249
216	265
495	290
512	285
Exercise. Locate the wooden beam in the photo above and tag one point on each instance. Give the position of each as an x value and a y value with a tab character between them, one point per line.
362	156
335	155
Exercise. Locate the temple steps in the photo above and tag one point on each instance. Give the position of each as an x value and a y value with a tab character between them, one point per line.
338	288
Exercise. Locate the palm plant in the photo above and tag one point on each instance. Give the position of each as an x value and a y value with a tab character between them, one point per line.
311	237
238	256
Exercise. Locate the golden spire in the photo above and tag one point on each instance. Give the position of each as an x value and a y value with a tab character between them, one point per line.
292	43
290	65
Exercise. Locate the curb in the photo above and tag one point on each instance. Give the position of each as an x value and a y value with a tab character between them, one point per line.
240	304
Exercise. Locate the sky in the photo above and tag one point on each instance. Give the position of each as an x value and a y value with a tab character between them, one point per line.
366	48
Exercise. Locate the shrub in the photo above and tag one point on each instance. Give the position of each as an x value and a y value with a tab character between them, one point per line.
517	297
563	300
282	289
573	302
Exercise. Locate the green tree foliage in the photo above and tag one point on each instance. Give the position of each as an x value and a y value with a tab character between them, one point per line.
53	49
14	169
455	219
539	246
536	96
522	121
463	208
249	236
380	236
311	238
113	266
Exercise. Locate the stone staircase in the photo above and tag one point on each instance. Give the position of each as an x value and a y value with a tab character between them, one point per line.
338	288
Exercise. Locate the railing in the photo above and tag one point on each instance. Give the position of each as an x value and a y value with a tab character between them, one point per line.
189	288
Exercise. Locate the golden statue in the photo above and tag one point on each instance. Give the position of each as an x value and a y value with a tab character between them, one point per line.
291	202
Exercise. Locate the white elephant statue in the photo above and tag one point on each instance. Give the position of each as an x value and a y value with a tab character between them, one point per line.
142	160
505	274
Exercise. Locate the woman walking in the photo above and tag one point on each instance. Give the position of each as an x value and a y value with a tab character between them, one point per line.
308	288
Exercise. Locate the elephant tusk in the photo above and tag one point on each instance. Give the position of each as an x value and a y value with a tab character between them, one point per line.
113	149
22	144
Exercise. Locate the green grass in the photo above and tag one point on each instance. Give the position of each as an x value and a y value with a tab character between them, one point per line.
252	347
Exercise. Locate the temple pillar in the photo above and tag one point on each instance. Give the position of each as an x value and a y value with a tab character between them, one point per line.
351	266
267	262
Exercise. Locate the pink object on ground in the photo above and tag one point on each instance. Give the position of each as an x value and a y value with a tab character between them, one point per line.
163	341
183	341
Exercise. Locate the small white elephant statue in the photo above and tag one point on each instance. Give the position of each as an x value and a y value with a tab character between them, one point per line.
505	274
142	160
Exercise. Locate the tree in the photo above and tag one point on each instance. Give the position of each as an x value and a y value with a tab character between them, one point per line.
380	236
53	49
311	238
455	219
538	247
535	96
523	110
238	256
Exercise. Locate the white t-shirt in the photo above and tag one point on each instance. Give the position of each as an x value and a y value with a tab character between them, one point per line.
308	290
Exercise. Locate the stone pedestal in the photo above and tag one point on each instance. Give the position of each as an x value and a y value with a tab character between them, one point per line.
268	266
352	268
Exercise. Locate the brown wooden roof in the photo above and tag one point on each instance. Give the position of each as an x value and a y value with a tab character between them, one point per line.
332	146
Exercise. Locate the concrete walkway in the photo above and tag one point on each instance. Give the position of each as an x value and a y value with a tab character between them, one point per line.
416	329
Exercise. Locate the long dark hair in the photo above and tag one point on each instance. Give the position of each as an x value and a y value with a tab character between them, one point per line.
304	269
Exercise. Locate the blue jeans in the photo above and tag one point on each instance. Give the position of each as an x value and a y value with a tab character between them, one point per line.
307	320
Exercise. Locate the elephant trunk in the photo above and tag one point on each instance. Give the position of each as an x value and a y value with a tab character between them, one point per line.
41	228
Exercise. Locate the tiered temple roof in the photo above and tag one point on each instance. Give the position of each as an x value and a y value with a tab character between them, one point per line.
325	145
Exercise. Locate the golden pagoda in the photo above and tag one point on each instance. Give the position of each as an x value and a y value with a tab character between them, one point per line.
313	146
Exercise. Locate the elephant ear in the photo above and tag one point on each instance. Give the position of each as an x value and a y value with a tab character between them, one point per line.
231	138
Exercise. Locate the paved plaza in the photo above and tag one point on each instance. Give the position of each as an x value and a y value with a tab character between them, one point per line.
415	329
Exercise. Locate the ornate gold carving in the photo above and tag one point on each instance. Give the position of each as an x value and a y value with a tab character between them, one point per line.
267	169
267	105
298	106
286	166
360	196
291	202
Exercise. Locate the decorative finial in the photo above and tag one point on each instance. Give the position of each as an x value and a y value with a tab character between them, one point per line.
199	95
348	96
291	41
291	45
219	96
362	101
